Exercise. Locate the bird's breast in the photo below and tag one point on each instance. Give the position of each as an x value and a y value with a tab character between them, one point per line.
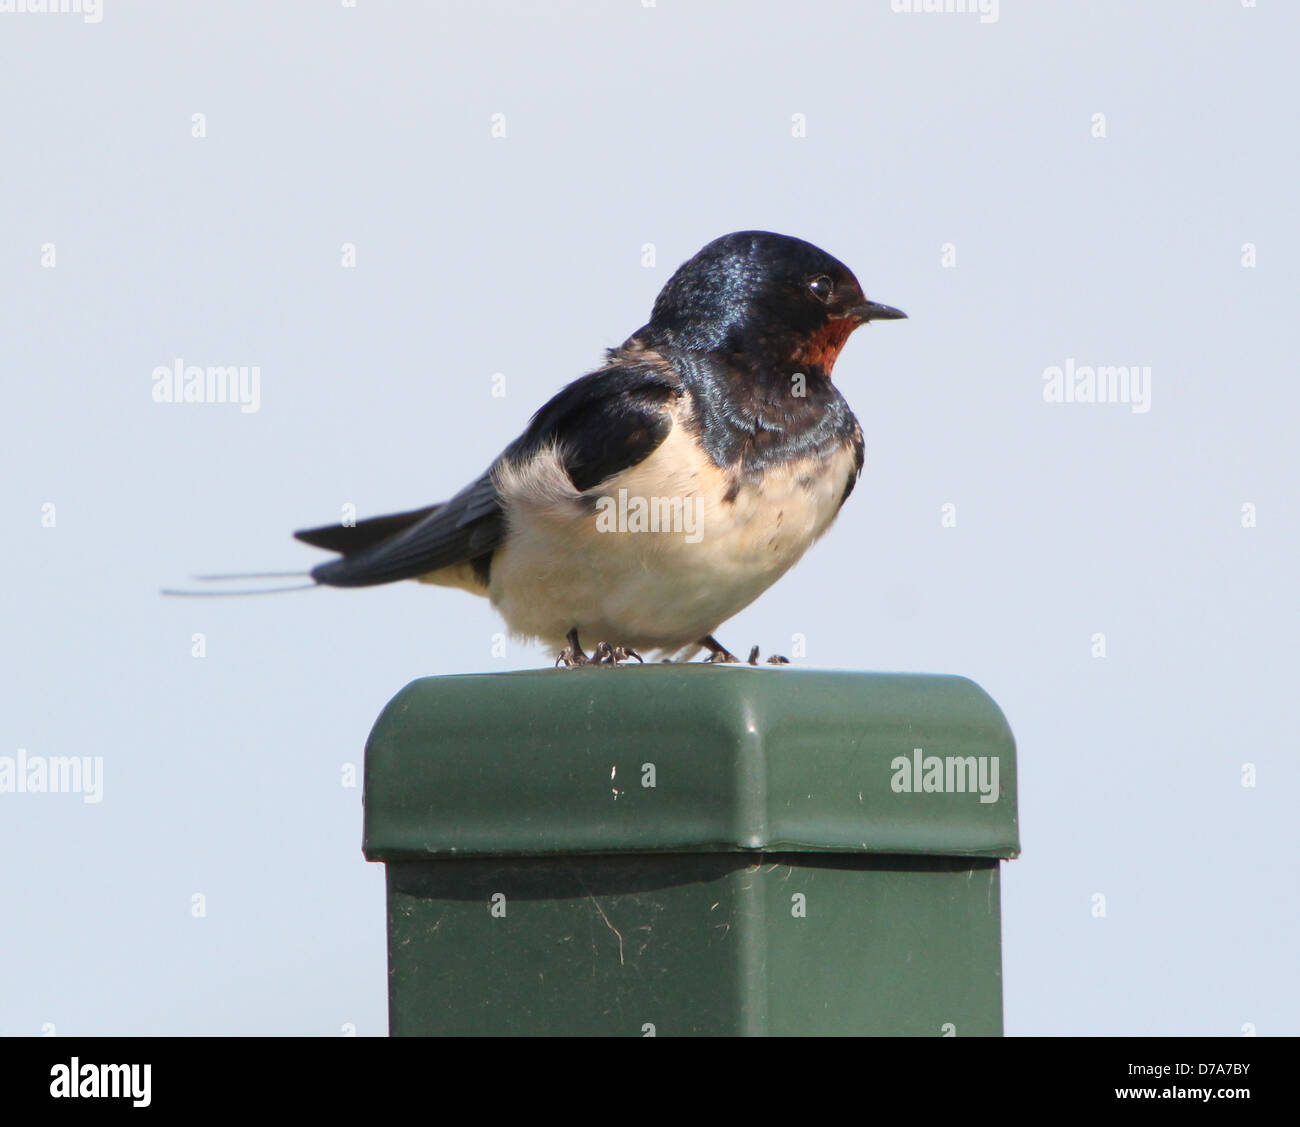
660	554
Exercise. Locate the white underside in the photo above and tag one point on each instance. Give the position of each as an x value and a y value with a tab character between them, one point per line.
655	592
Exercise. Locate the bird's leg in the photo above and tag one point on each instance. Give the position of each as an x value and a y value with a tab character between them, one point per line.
572	654
775	659
718	653
605	654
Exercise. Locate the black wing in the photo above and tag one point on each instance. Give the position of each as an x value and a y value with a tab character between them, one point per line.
347	538
464	528
602	423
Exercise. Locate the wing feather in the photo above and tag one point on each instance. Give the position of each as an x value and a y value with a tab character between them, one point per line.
603	423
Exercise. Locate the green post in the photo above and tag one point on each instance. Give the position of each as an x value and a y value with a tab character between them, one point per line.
692	849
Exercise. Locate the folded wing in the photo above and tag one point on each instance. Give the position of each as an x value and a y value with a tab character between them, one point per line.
602	424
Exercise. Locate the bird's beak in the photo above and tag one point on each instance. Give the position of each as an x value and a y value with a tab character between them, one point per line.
874	311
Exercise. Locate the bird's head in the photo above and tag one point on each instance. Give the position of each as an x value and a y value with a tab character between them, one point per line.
767	296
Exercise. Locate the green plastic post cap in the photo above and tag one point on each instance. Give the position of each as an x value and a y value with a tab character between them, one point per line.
689	758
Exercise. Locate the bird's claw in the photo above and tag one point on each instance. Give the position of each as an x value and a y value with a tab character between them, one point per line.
603	654
720	655
572	654
606	654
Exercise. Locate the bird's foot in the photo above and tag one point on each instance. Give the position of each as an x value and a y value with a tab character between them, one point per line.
775	659
605	654
718	653
572	654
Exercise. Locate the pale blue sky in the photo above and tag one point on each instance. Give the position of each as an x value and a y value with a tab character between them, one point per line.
522	255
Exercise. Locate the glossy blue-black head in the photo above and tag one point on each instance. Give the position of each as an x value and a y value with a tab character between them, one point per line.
758	292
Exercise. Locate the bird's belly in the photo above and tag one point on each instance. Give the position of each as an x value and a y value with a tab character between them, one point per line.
661	555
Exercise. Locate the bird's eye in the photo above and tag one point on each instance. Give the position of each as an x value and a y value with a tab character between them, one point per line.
822	287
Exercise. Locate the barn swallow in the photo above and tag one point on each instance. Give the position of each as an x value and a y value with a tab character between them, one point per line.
654	498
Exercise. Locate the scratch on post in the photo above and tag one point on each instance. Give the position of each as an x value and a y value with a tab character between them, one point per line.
610	926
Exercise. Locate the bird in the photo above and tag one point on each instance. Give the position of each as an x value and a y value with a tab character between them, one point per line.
654	498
